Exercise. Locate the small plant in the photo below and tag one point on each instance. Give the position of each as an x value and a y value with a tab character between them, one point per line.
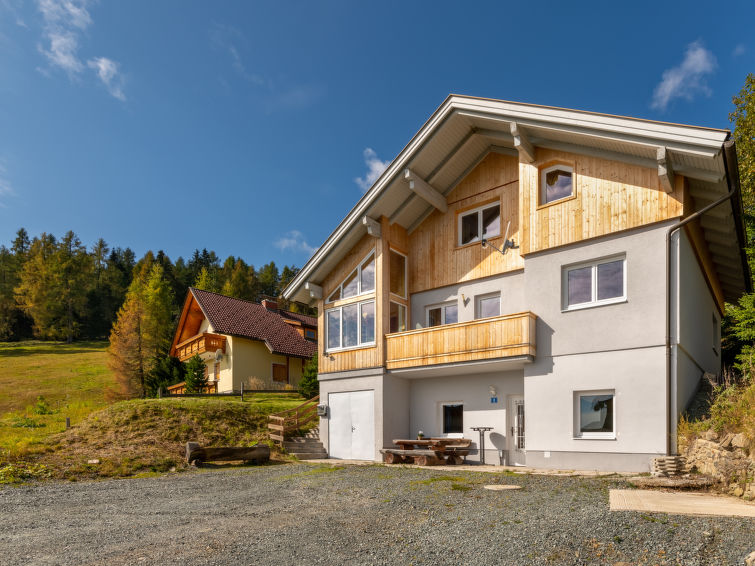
255	383
420	435
26	422
42	407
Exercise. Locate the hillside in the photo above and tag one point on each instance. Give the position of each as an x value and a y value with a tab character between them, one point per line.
42	383
137	436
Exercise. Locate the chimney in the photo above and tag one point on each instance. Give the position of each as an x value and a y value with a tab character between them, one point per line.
270	305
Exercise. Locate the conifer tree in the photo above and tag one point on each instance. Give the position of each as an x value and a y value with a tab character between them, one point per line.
207	280
126	357
196	380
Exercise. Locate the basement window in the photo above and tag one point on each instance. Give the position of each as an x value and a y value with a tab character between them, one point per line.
453	418
594	414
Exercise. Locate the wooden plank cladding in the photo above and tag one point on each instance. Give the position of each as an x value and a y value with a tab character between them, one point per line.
349	359
482	339
436	259
199	344
609	197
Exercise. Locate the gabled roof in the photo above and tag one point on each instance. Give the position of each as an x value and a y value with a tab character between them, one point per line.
303	319
245	319
464	129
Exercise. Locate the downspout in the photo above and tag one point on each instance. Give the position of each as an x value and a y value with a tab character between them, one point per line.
730	161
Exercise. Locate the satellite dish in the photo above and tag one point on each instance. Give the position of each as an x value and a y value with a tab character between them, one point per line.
218	355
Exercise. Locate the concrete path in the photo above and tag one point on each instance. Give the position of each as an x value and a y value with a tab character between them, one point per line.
478	468
678	503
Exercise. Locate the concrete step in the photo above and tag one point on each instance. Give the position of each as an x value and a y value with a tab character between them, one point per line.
300	443
311	455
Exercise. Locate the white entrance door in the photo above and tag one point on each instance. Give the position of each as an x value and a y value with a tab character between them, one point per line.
516	430
351	431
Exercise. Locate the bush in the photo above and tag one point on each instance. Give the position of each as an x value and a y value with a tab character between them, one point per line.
255	383
42	407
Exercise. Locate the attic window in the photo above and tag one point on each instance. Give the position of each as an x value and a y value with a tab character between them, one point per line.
358	282
556	183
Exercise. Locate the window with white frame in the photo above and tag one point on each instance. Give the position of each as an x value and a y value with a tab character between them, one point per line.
556	183
350	326
487	306
358	282
483	222
599	282
595	414
452	415
442	314
398	274
397	317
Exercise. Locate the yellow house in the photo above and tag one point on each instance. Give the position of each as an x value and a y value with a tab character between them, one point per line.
244	343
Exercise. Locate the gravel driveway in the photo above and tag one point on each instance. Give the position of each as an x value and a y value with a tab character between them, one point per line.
305	514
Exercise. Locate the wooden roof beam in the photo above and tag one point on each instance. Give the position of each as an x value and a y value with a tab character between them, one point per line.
425	191
373	226
522	143
665	171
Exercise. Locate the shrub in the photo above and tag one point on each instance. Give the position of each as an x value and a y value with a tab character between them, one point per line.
308	385
42	407
255	383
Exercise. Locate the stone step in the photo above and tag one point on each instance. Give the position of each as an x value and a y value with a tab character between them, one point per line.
305	448
301	441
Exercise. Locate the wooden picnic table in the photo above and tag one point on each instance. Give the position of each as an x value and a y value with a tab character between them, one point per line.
427	451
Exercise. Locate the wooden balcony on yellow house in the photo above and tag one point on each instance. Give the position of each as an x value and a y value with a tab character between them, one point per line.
507	336
205	342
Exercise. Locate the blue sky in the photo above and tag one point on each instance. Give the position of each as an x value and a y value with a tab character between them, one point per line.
253	128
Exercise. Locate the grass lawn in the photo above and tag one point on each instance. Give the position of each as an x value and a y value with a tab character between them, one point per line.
71	379
42	383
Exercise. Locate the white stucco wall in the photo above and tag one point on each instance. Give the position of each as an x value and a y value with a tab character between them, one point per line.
509	285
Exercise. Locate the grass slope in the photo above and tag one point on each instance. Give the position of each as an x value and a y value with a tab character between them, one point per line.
149	435
71	378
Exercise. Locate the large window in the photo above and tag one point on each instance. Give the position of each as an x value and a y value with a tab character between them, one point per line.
556	183
596	283
488	306
358	282
453	418
442	314
398	274
595	415
397	317
350	325
483	222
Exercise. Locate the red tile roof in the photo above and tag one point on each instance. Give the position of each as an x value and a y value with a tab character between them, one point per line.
251	320
305	319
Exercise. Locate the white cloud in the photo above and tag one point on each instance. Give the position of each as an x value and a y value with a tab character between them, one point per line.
64	22
375	168
107	70
686	79
739	50
294	241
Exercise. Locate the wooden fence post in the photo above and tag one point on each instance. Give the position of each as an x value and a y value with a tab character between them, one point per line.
242	391
160	392
68	423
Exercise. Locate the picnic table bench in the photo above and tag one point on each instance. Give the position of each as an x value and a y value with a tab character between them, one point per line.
428	452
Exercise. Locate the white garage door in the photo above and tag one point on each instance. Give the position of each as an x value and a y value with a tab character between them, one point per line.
351	433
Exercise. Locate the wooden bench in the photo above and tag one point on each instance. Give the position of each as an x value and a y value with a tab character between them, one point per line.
428	452
257	454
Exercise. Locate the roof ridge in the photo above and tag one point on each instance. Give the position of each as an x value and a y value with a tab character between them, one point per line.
225	296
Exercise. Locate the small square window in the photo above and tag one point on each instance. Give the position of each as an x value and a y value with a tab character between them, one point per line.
489	306
453	418
556	183
483	222
595	415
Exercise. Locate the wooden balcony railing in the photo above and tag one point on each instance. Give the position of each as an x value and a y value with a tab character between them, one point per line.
483	339
198	344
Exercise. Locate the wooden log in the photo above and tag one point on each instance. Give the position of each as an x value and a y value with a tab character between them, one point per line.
257	454
424	460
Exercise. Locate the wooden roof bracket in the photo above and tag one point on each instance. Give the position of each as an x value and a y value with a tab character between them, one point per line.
373	226
425	191
665	171
522	144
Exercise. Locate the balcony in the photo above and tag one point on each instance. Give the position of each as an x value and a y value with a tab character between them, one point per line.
199	344
497	337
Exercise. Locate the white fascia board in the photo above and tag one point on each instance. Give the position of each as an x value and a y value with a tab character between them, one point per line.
615	125
678	137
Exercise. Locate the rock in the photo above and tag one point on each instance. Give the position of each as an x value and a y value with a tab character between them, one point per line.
726	442
94	461
739	441
750	560
710	435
